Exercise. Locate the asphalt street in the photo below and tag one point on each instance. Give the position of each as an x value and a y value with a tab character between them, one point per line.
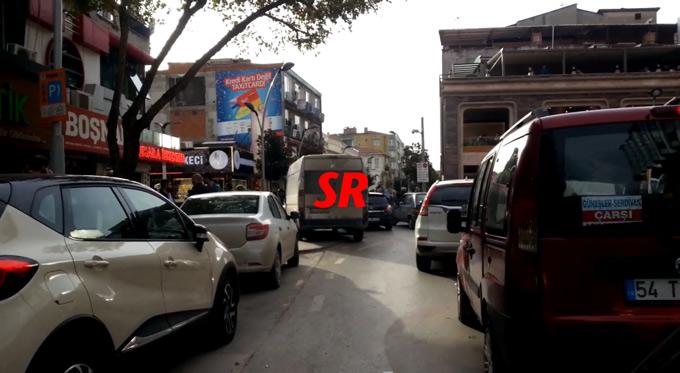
348	307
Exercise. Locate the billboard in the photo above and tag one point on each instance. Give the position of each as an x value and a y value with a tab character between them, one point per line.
234	89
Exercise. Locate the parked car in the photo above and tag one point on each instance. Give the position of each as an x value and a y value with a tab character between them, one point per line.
254	227
433	240
302	189
570	251
407	208
379	211
92	266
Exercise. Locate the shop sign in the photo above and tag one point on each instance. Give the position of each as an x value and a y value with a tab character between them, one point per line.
12	105
152	153
86	131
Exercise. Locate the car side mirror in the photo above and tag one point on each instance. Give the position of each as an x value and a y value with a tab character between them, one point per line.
294	215
200	235
454	221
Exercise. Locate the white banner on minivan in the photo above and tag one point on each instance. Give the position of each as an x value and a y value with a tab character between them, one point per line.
611	210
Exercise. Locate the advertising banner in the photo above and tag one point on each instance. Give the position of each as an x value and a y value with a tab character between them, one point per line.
234	89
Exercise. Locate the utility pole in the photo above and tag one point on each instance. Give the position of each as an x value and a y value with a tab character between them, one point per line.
422	147
57	157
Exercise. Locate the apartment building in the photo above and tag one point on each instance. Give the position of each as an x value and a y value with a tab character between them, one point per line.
568	59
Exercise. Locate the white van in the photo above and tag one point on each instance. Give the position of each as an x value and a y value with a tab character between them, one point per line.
302	189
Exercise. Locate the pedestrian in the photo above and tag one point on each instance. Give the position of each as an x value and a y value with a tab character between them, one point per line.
210	183
199	187
166	189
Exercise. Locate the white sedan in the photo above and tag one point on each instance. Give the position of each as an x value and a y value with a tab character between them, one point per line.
254	227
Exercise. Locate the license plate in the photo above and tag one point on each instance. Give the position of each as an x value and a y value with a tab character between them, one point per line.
653	289
373	219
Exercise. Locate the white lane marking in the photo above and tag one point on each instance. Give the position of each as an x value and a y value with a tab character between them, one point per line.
330	276
317	303
339	261
299	283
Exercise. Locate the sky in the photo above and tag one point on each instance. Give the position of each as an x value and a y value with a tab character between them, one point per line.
384	73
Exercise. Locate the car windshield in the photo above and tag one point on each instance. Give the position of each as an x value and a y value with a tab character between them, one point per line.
377	201
222	205
419	198
453	195
622	178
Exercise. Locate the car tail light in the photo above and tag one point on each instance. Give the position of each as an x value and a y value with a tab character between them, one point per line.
256	231
15	273
666	111
426	202
421	238
388	209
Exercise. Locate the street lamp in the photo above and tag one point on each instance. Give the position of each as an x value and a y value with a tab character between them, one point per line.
284	67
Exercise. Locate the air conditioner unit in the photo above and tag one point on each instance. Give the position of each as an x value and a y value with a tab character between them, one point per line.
79	99
101	98
21	51
187	145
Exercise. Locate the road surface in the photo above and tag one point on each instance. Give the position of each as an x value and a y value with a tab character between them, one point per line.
348	307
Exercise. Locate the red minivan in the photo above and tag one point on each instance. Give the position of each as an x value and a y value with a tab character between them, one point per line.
570	256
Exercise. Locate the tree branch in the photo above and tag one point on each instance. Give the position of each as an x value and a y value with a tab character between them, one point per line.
289	25
198	64
187	13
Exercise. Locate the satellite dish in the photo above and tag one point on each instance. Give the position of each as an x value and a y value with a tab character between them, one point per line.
218	160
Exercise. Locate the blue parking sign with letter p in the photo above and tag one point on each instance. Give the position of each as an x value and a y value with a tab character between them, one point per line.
54	93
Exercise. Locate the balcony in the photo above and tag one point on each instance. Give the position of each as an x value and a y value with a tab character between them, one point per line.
596	59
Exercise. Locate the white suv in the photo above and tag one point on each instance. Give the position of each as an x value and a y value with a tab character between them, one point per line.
433	240
91	266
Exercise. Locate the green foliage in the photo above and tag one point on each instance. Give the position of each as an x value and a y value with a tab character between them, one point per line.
277	156
412	155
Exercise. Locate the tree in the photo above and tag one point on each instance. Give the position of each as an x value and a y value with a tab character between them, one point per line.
303	23
277	156
413	155
311	143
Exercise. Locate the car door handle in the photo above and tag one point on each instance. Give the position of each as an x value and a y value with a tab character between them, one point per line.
170	263
96	262
280	229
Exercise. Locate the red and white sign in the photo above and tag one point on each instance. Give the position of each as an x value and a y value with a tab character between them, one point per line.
611	210
152	153
86	131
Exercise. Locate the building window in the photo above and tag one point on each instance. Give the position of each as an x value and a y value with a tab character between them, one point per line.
638	16
72	63
192	95
376	142
316	102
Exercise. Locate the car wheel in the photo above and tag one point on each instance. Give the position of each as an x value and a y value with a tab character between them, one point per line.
492	361
223	317
275	273
388	226
466	315
423	263
295	260
69	356
358	235
411	223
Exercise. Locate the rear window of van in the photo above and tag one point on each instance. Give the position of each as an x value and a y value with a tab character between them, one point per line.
621	178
